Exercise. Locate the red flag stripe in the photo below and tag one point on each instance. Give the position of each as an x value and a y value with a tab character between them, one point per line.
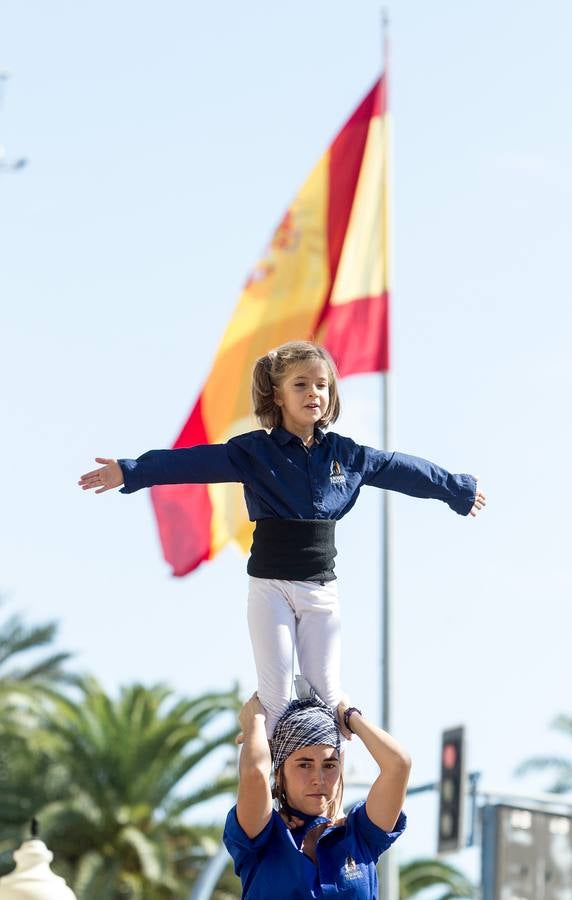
357	335
184	512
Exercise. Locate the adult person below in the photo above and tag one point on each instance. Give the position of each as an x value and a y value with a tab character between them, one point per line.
302	849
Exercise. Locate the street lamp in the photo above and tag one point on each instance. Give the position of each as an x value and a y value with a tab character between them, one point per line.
32	879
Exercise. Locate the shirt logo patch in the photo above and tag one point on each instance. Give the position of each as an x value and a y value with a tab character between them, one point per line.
351	871
336	474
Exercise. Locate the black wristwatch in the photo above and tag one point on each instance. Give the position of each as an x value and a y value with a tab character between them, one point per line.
347	713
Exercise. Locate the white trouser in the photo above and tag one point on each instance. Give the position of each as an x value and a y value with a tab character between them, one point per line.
288	615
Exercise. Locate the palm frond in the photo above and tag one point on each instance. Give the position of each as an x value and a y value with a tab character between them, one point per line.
49	669
146	852
88	871
215	788
420	874
561	766
16	638
19	640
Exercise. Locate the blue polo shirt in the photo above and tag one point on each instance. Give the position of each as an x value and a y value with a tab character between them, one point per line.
271	866
284	479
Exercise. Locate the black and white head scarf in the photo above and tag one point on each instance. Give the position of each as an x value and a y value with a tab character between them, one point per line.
305	723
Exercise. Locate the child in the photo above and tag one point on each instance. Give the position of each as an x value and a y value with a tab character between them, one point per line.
298	481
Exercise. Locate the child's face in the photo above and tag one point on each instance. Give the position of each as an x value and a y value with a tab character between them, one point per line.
303	396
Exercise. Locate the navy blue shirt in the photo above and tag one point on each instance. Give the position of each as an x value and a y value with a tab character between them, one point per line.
272	866
284	479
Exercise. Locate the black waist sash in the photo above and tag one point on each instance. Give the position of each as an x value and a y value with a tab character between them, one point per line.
293	549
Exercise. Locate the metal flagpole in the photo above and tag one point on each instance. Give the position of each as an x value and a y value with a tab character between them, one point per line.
386	445
389	880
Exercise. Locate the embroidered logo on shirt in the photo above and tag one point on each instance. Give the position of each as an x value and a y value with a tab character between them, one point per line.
351	871
336	474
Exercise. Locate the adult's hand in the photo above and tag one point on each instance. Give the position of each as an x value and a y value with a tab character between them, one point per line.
249	710
342	706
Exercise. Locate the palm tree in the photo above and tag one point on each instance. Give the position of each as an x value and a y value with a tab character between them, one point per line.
560	765
18	640
24	673
419	874
115	787
23	788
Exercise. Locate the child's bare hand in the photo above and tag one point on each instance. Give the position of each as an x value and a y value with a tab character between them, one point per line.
105	479
480	502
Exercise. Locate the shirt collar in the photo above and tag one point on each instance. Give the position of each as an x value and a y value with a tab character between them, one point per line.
309	818
309	821
282	437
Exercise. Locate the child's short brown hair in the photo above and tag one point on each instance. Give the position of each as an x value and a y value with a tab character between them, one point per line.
269	371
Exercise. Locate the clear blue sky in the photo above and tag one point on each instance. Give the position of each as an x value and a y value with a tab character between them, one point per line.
164	145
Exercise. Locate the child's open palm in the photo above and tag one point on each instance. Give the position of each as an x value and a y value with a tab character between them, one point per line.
480	502
105	479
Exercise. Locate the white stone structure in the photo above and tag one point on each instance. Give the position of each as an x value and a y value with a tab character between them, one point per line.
32	879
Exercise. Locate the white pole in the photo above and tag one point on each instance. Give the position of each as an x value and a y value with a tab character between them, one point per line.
389	880
386	573
208	879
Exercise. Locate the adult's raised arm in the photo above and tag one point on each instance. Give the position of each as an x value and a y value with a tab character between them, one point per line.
254	803
387	794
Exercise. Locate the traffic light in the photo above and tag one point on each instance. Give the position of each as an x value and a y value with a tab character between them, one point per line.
451	791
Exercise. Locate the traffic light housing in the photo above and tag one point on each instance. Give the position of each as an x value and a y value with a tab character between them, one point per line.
451	791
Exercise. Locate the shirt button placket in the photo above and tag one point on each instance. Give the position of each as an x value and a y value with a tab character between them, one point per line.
316	495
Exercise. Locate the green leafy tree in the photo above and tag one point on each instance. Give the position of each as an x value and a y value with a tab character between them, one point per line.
561	766
25	671
116	785
28	780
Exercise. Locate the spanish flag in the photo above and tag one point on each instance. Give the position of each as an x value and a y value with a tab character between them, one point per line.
324	277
